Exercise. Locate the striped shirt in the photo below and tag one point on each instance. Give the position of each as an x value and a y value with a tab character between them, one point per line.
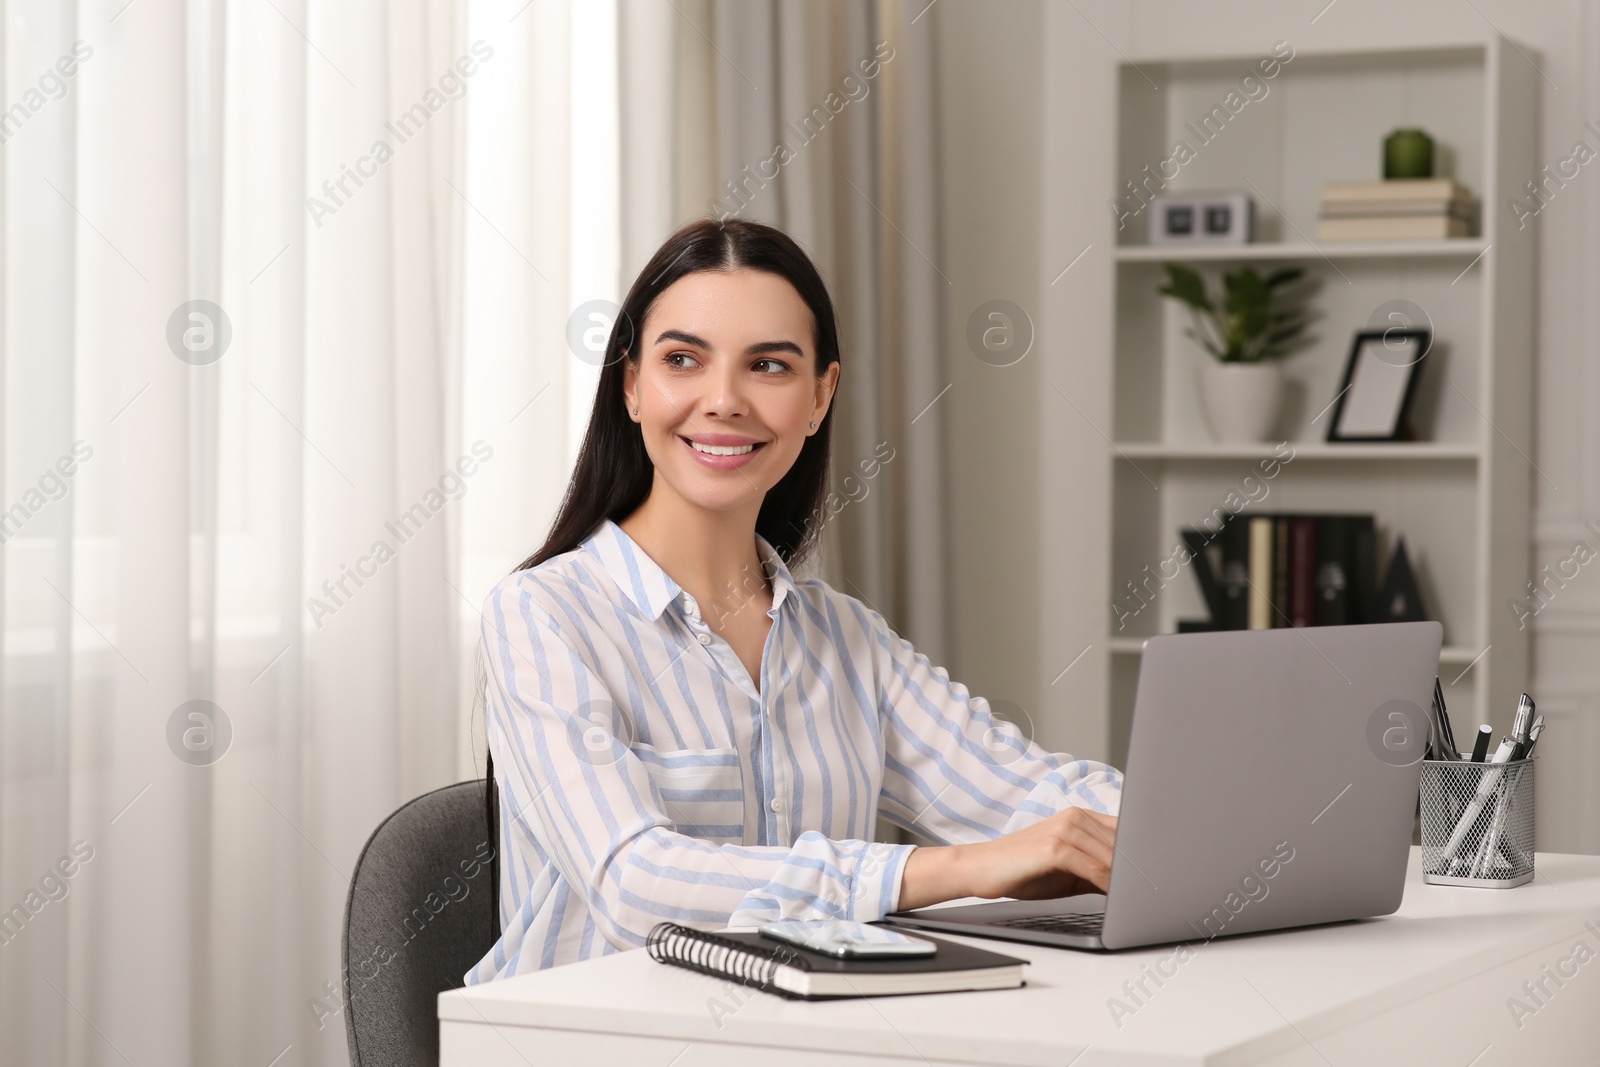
644	776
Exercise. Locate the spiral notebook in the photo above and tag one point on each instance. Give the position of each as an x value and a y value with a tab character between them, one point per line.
762	963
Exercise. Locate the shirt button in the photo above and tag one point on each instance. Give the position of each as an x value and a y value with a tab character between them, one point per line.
777	805
705	639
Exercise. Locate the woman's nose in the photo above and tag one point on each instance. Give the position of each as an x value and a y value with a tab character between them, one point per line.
724	395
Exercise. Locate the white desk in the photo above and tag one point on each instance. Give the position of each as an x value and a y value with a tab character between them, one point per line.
1431	984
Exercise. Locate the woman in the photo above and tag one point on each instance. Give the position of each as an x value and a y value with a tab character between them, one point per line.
677	728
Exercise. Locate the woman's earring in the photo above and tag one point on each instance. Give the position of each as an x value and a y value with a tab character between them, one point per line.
636	411
813	426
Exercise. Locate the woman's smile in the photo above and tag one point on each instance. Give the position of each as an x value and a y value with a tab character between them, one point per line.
723	452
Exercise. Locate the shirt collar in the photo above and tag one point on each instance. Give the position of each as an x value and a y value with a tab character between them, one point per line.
650	588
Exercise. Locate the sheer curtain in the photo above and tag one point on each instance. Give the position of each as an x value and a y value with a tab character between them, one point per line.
288	382
266	336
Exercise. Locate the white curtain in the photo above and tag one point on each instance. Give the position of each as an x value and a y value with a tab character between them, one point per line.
257	502
244	541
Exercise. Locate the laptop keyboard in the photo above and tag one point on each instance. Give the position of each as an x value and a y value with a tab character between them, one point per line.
1075	923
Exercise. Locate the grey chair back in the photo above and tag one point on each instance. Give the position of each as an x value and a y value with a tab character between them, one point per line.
417	918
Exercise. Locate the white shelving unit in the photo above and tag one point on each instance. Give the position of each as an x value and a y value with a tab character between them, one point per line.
1460	495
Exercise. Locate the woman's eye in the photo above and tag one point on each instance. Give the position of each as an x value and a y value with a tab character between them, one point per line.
773	367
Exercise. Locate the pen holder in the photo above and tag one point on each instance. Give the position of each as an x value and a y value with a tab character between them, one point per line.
1477	823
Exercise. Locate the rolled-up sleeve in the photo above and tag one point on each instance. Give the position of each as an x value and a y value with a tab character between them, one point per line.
955	772
579	796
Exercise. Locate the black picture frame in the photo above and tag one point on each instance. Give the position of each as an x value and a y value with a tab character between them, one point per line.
1378	387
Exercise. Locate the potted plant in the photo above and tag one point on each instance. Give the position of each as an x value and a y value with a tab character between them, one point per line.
1248	331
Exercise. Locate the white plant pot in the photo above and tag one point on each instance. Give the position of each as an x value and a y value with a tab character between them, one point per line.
1241	400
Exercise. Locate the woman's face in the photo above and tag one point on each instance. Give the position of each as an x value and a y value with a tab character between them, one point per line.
727	360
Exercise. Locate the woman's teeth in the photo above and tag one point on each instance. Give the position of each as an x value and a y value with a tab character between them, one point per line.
721	450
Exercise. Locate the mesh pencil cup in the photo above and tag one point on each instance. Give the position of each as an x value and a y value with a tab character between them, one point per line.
1477	823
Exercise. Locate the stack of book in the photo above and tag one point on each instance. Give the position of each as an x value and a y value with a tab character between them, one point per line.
1269	570
1399	209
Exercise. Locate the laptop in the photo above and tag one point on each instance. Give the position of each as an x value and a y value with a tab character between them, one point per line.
1271	782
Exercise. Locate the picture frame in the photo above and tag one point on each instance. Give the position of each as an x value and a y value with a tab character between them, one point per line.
1379	385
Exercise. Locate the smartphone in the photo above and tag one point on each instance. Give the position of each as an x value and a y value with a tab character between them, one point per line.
843	939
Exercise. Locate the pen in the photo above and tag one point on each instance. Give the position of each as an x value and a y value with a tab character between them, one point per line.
1449	728
1477	863
1441	747
1526	735
1484	857
1486	787
1480	748
1504	813
1441	720
1490	852
1523	719
1533	736
1512	747
1436	738
1520	726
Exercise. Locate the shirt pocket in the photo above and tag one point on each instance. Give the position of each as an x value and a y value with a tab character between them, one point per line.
702	790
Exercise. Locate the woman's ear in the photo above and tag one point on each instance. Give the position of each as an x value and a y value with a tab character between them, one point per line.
630	376
827	383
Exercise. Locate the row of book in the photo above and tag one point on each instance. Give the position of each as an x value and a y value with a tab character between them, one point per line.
1396	209
1268	570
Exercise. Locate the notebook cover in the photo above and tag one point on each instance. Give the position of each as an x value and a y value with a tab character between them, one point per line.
952	956
703	945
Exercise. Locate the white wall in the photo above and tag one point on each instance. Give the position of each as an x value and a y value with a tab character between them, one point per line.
990	187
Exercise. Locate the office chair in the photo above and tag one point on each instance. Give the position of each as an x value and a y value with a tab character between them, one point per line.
418	917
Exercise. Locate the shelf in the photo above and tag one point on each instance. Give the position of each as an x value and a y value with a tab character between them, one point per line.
1309	450
1447	654
1460	247
1458	494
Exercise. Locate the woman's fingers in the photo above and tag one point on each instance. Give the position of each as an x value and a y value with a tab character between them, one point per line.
1068	853
1089	837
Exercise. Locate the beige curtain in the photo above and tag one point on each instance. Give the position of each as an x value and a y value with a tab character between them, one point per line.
818	117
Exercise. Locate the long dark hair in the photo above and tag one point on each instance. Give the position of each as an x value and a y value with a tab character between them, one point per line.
613	474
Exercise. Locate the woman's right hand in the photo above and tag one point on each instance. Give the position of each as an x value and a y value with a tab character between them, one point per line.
1067	853
1059	856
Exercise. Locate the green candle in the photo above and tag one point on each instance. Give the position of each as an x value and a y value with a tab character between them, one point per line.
1408	153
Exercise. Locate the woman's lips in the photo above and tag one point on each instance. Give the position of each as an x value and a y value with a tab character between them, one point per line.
721	463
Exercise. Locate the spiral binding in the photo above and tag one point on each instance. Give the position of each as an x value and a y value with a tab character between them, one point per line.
721	957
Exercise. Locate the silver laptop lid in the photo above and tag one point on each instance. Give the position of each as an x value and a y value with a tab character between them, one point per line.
1271	779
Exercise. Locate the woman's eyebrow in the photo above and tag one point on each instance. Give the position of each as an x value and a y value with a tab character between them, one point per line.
755	349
